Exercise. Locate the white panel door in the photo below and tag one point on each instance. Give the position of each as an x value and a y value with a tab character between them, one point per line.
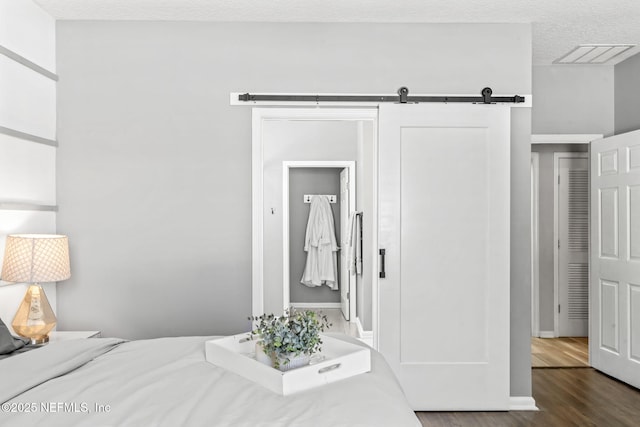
345	249
444	224
573	244
614	344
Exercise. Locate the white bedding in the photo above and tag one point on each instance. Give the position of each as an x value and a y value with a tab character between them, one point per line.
168	382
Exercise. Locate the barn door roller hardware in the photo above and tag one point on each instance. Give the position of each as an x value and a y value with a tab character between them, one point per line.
403	97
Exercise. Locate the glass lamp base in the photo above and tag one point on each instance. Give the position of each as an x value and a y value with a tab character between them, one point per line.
40	340
34	318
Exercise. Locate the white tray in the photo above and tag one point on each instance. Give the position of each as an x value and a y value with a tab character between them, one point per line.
338	360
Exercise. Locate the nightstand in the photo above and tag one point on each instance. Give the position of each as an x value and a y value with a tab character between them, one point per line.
55	336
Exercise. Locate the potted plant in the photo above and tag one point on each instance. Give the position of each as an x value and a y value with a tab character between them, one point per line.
288	341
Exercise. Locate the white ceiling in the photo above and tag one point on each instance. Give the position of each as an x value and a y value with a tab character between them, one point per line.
558	25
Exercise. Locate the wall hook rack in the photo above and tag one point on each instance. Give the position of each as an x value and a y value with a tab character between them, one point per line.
332	197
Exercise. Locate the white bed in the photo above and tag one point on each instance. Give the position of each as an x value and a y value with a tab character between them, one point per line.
168	382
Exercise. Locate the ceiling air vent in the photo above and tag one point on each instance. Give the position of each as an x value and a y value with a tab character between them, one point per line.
593	53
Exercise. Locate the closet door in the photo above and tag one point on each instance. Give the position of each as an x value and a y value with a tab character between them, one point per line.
573	244
444	224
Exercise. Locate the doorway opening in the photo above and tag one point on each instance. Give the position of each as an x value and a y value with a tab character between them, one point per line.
324	136
560	252
301	181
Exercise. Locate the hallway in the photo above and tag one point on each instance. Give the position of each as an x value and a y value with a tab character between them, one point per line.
338	323
570	352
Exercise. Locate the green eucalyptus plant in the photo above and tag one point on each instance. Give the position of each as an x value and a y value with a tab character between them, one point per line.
290	335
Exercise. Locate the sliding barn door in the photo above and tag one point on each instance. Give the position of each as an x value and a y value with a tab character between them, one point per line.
614	342
444	224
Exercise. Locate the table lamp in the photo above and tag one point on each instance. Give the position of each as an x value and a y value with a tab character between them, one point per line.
35	259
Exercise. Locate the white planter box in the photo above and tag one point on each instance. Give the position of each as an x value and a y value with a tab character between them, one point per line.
338	360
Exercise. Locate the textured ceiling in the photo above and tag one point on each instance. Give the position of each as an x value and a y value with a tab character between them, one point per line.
558	25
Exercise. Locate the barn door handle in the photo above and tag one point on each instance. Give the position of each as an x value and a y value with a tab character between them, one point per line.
382	272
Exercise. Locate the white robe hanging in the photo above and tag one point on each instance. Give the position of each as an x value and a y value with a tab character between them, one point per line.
321	246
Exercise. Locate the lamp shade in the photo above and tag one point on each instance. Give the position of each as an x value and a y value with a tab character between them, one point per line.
36	258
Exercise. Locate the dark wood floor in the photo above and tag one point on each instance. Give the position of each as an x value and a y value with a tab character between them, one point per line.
566	397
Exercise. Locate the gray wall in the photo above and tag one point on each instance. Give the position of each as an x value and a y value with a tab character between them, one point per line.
627	90
309	181
573	99
154	166
520	271
545	227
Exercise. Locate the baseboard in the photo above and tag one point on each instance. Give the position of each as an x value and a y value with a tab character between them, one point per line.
315	305
547	334
522	403
364	336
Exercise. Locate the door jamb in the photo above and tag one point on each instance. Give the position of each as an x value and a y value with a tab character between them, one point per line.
535	243
286	167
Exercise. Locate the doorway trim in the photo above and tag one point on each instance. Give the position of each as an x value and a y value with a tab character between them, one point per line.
535	243
550	139
258	117
286	167
556	232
